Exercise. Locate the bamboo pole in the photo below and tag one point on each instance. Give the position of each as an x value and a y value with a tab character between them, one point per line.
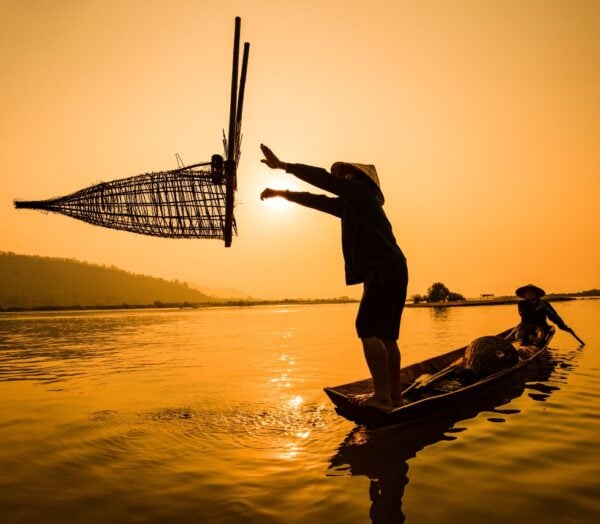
230	167
240	106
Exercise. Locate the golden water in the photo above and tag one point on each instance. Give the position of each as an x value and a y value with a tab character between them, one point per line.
218	415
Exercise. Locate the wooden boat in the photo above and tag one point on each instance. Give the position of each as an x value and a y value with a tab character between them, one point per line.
429	401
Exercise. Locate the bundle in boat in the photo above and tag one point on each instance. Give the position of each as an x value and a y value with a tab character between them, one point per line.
189	202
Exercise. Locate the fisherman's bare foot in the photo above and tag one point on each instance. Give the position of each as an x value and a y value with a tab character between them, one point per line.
397	402
373	402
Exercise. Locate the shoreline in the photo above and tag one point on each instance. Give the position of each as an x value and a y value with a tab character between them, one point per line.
491	302
284	302
182	305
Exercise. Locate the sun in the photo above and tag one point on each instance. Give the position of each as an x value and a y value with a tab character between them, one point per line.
278	204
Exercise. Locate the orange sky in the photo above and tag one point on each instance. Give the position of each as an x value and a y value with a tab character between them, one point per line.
483	119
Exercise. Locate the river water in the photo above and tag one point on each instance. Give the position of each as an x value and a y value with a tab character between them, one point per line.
218	416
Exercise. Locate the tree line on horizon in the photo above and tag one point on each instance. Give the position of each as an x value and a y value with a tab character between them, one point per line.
437	292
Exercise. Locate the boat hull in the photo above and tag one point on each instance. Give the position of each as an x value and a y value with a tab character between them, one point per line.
344	396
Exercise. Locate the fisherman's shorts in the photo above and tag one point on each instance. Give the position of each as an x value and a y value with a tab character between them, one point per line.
382	302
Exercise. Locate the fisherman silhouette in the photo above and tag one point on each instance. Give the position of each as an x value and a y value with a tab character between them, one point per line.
534	311
371	255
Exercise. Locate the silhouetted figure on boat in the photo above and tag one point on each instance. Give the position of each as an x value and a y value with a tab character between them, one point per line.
534	313
371	257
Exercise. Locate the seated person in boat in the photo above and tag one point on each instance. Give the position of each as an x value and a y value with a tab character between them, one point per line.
371	255
534	313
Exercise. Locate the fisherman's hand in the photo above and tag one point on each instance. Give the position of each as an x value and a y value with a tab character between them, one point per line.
269	193
271	159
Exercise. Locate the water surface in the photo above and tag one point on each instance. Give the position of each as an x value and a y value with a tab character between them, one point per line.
218	415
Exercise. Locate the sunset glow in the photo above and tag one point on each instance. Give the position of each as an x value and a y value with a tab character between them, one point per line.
482	120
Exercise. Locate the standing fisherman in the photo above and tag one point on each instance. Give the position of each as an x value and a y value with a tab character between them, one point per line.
371	256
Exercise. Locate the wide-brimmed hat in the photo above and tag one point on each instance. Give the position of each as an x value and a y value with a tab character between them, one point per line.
521	291
367	170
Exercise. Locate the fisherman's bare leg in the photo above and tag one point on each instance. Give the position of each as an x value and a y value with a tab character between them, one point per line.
393	360
540	336
376	355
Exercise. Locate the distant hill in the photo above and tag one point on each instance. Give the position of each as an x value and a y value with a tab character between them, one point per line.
219	292
32	282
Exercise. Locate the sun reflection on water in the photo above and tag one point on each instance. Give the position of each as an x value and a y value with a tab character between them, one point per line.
294	447
290	451
295	420
296	401
284	379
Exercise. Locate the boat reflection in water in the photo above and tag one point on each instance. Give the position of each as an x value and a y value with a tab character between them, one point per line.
382	454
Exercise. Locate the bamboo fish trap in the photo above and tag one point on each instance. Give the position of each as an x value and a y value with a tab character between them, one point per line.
195	201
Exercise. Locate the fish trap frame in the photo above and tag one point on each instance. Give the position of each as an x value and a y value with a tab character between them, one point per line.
195	201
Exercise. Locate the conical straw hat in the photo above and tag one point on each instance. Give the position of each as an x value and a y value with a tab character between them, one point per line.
367	170
520	292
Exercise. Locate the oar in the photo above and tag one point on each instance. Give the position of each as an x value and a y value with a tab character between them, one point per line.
569	330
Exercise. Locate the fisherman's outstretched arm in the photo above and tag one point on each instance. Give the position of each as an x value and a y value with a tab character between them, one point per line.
319	202
315	176
554	317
